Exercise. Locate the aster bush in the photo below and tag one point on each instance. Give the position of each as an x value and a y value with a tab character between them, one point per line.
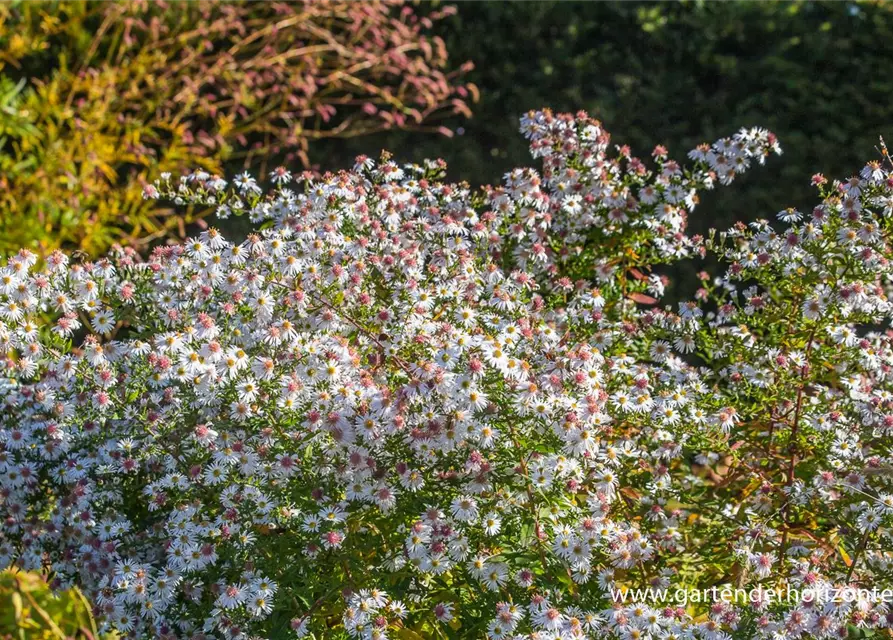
407	409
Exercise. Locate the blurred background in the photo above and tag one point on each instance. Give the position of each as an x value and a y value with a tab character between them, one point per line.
97	99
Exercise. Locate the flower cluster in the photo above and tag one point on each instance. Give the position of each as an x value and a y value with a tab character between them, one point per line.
404	408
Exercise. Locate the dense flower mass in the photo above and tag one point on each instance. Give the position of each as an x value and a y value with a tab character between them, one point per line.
407	409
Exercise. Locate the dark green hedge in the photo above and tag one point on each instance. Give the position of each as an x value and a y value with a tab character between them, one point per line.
818	74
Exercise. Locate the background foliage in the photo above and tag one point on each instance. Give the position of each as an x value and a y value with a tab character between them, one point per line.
99	98
679	73
29	609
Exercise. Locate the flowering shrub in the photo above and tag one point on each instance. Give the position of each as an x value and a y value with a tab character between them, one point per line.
99	98
404	409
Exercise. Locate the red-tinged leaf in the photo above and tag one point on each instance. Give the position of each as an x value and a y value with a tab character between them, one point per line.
737	445
641	298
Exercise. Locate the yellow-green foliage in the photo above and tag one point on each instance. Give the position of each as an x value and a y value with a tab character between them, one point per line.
98	98
29	610
69	142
